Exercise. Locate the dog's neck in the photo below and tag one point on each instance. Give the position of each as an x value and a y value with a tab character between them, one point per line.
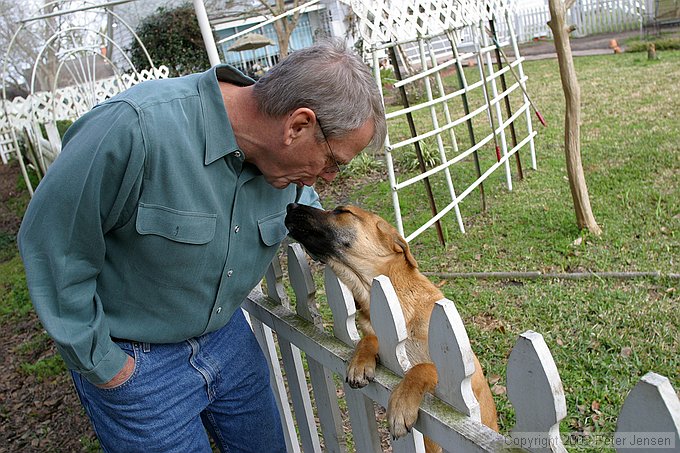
359	285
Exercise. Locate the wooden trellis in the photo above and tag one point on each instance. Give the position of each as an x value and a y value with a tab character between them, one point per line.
437	38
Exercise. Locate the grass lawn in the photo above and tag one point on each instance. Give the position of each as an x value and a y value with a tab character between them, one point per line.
603	334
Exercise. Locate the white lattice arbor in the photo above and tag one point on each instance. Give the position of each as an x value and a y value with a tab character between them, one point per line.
482	118
81	75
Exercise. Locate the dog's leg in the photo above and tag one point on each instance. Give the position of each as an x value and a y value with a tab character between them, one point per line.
361	369
431	447
402	409
482	392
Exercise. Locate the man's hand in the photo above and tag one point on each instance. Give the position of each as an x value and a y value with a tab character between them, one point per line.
122	376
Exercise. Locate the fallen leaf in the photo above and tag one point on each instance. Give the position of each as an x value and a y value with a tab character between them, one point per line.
499	389
626	351
595	406
494	378
578	241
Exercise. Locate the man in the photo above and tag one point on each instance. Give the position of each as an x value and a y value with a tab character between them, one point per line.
160	215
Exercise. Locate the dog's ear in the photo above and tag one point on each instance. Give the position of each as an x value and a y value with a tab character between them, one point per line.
399	244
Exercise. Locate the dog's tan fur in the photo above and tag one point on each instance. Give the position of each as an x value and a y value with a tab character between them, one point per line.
359	246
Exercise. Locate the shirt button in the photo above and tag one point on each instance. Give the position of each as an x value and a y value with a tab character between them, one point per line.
237	153
237	229
219	309
230	272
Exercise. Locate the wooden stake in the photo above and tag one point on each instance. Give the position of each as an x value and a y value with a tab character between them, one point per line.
508	109
419	154
572	117
466	109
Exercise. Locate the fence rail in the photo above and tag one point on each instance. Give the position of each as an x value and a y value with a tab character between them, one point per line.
451	417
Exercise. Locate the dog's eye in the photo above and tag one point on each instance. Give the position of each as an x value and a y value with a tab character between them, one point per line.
340	210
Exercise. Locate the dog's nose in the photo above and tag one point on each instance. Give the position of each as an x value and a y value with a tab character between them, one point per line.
291	206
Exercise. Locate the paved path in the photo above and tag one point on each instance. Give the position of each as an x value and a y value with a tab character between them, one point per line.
589	45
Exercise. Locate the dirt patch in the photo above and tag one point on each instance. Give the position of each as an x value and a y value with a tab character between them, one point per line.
9	220
37	414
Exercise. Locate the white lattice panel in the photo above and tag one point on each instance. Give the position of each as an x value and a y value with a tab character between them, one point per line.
73	101
402	20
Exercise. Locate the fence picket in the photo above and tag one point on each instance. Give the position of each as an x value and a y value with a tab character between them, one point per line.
274	279
297	384
363	421
535	391
265	338
299	395
452	355
651	407
341	303
389	325
387	320
322	381
412	443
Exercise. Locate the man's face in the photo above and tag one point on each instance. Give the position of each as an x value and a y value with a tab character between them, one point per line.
309	160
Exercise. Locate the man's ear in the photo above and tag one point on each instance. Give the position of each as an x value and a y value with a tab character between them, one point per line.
300	122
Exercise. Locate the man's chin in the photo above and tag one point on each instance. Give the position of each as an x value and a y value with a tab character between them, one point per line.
283	183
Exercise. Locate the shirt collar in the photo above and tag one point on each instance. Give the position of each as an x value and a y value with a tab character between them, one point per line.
219	136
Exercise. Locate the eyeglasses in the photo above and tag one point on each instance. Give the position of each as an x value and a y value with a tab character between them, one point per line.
336	167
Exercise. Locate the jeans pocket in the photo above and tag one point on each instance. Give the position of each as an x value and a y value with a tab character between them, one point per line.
131	349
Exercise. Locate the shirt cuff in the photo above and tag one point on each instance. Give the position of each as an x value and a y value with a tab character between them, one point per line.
108	367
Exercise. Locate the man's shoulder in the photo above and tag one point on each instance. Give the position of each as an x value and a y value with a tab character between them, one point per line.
153	93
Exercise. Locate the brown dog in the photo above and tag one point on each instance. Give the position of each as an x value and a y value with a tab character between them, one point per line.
359	246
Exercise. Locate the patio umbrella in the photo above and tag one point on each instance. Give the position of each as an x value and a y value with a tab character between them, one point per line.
250	41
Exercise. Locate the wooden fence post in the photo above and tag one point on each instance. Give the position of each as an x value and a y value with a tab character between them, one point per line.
389	325
535	391
360	407
452	355
323	384
265	336
651	407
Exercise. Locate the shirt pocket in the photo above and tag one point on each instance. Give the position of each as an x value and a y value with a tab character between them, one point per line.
172	245
272	229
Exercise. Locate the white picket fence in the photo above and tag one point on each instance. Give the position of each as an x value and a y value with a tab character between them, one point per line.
589	16
451	418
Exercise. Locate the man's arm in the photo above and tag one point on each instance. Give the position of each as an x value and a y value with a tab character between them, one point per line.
88	190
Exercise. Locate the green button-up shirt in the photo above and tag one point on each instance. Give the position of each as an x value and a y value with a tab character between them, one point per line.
149	226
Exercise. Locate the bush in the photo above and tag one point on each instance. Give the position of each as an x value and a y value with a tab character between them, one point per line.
173	38
660	44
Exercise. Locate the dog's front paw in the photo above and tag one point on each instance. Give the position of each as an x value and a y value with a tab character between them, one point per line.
361	371
402	410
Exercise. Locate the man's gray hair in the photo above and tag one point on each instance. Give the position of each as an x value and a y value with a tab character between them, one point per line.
330	80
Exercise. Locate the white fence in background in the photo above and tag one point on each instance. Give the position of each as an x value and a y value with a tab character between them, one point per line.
451	418
23	117
589	16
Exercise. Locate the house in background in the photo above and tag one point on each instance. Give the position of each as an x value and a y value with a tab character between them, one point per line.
316	22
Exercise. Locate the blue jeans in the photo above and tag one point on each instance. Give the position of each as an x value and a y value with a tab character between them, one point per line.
217	382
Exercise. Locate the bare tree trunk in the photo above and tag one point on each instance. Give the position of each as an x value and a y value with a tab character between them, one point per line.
285	26
572	118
